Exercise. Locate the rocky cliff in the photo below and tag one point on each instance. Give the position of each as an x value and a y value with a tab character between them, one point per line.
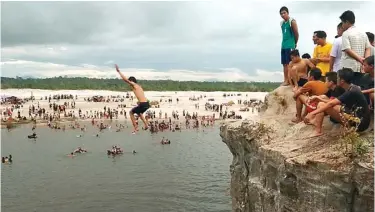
276	168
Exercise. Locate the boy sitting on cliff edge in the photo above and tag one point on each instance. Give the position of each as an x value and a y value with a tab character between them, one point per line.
352	101
143	104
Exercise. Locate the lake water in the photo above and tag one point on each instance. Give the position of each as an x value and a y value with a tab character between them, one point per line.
191	174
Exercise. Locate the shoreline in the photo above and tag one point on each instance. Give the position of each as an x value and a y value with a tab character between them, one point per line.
169	105
3	125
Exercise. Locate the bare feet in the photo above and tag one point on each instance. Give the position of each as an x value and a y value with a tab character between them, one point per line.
312	122
285	84
317	134
296	120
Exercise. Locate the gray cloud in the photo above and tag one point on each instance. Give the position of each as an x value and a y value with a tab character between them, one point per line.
90	22
163	35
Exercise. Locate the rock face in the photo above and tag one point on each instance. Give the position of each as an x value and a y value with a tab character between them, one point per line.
276	169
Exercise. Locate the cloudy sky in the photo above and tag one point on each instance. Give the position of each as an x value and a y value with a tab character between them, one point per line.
226	41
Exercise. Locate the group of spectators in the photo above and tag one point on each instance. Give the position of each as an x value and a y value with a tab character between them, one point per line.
338	80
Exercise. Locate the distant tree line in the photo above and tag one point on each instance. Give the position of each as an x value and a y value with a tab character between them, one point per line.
80	83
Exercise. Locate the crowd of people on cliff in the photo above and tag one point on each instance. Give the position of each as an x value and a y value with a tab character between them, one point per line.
338	80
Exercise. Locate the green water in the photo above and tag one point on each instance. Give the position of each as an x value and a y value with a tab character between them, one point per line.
191	174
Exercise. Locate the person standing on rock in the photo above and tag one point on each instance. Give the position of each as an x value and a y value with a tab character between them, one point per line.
290	39
321	57
336	52
355	44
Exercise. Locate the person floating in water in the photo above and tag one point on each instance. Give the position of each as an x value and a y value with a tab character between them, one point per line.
6	159
143	104
71	154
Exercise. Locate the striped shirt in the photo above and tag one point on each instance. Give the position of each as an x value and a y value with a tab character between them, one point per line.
358	42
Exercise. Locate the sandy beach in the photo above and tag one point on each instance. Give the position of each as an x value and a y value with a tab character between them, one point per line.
191	101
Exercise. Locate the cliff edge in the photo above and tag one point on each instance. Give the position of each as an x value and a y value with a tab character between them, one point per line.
276	168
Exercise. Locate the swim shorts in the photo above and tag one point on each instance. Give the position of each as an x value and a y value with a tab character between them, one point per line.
302	82
311	107
141	108
285	56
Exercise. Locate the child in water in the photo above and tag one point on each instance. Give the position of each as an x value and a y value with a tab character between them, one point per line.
143	104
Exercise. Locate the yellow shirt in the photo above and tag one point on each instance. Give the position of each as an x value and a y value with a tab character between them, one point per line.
323	52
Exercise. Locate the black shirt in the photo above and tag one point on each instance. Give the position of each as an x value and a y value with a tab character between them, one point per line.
338	91
367	82
354	99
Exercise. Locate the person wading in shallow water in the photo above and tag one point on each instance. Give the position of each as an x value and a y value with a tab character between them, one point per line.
143	104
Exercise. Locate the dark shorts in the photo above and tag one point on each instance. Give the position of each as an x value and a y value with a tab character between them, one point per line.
367	97
301	82
363	125
285	56
333	120
357	78
141	108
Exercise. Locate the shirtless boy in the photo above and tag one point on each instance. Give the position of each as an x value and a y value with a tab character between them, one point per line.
298	68
143	104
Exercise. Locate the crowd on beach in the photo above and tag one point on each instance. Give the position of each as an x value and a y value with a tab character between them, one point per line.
54	110
338	80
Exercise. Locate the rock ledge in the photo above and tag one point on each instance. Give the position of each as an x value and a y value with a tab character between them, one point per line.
276	169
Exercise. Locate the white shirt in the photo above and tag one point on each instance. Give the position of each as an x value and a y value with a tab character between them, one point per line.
336	52
357	41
